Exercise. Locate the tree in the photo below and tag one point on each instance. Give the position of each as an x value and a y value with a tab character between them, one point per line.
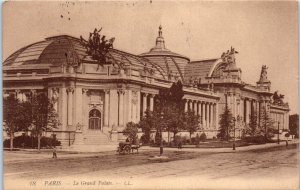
15	116
294	124
226	123
169	108
147	123
253	125
191	122
131	131
266	122
44	116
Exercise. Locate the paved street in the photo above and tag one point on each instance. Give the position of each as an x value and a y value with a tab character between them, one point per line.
277	163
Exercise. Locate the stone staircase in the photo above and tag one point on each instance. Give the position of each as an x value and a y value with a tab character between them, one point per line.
96	137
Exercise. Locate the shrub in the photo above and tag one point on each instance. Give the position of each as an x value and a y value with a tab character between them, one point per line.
144	139
157	138
188	141
197	139
31	142
203	137
193	140
256	139
184	140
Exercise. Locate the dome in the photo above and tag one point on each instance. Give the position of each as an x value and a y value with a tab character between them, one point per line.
52	51
58	50
172	63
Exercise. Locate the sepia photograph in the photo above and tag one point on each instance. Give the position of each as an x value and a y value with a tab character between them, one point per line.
150	95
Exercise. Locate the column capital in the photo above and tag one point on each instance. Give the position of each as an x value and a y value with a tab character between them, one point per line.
121	91
55	90
106	91
151	95
70	89
17	91
145	94
85	90
33	91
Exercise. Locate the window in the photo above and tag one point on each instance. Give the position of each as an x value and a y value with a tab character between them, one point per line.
94	119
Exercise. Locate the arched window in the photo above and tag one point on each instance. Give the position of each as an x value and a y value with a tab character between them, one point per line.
94	119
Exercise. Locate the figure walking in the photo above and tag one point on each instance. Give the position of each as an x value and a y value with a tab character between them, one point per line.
54	152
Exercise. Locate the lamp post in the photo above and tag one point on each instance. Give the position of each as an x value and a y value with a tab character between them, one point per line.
278	133
161	149
233	146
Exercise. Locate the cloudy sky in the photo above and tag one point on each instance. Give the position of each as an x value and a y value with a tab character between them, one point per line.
264	33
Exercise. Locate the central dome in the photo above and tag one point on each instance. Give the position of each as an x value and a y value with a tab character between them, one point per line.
171	62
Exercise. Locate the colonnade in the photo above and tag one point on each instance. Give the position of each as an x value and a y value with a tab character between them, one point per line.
208	112
148	102
244	107
120	106
281	118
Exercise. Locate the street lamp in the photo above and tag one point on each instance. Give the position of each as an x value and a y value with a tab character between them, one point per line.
161	136
233	146
278	133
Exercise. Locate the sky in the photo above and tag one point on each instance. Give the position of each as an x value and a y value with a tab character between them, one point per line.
264	33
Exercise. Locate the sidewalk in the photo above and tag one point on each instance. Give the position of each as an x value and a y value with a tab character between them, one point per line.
89	151
222	150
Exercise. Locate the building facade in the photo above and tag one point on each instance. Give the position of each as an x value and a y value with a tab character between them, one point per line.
94	102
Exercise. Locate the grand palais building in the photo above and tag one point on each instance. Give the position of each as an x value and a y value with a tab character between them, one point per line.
94	102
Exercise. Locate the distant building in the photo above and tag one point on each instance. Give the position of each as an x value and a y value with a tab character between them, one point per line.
94	102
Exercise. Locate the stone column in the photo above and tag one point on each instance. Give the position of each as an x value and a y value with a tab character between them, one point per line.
203	114
50	94
106	108
186	105
128	106
211	115
85	115
134	102
199	109
217	115
287	120
151	101
229	102
144	102
191	105
55	96
70	91
195	107
242	108
63	108
247	110
138	110
121	107
207	114
78	105
113	108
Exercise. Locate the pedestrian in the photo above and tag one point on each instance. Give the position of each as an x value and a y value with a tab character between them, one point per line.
286	143
179	144
54	152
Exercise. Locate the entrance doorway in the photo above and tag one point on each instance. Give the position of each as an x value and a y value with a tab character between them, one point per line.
95	119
